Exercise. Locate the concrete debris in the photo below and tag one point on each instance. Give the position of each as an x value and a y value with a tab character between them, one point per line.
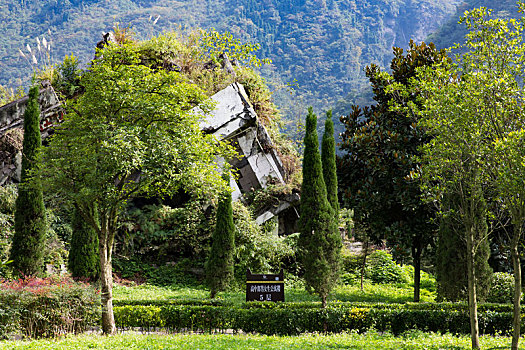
12	125
233	119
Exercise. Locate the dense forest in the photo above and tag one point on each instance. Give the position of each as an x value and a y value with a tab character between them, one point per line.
452	32
320	47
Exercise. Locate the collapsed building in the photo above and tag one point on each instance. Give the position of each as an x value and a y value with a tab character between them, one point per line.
233	119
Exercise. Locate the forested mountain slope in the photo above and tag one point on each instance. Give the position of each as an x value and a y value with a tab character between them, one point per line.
452	32
322	44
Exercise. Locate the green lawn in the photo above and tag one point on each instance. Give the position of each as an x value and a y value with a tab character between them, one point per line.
371	293
372	340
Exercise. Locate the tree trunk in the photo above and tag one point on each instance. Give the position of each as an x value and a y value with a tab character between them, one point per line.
416	257
472	302
517	287
365	253
106	281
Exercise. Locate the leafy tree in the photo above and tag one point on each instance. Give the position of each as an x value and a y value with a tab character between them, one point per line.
132	133
30	216
328	162
381	146
219	267
474	110
83	260
319	240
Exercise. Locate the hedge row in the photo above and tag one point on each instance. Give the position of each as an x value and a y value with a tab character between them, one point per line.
295	320
444	306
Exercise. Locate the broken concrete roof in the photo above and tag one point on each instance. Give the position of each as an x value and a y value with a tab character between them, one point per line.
12	114
233	118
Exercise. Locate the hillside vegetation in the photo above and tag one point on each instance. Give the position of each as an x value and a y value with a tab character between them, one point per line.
323	45
452	32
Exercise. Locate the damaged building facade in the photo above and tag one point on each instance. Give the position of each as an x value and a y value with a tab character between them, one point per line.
233	120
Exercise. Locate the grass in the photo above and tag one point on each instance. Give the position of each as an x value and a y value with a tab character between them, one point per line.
369	341
370	293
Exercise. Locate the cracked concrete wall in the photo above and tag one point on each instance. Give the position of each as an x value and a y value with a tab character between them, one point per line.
234	118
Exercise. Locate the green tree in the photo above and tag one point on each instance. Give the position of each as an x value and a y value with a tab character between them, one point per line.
474	110
83	260
30	216
328	162
451	254
319	240
133	132
219	266
376	171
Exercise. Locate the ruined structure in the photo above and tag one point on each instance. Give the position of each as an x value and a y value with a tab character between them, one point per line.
12	126
258	165
233	119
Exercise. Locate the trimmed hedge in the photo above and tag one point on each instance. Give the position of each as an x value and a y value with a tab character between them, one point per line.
297	318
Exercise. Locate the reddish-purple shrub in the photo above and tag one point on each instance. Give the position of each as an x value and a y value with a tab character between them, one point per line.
47	307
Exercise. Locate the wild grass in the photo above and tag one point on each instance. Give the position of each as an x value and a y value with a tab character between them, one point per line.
368	341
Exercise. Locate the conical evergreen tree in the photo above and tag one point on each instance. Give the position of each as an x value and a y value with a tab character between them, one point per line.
83	261
219	267
319	240
451	256
328	161
30	217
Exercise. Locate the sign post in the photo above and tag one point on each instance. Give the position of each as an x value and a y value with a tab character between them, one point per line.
264	287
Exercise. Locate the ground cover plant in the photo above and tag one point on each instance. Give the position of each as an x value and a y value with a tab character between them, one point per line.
369	341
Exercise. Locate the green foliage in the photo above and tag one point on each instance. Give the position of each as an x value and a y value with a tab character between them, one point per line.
319	242
381	147
9	94
297	318
83	260
214	44
328	163
382	269
343	36
170	275
46	307
67	80
473	108
8	196
132	133
257	249
161	233
371	340
502	288
451	258
220	264
30	216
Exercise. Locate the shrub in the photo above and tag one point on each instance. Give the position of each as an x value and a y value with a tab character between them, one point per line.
382	269
258	249
351	267
502	289
49	307
297	318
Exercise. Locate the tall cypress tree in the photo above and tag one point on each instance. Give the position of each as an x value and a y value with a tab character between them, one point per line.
319	242
328	161
451	255
83	260
219	267
30	217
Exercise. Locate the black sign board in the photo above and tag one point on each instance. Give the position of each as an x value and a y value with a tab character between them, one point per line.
264	287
